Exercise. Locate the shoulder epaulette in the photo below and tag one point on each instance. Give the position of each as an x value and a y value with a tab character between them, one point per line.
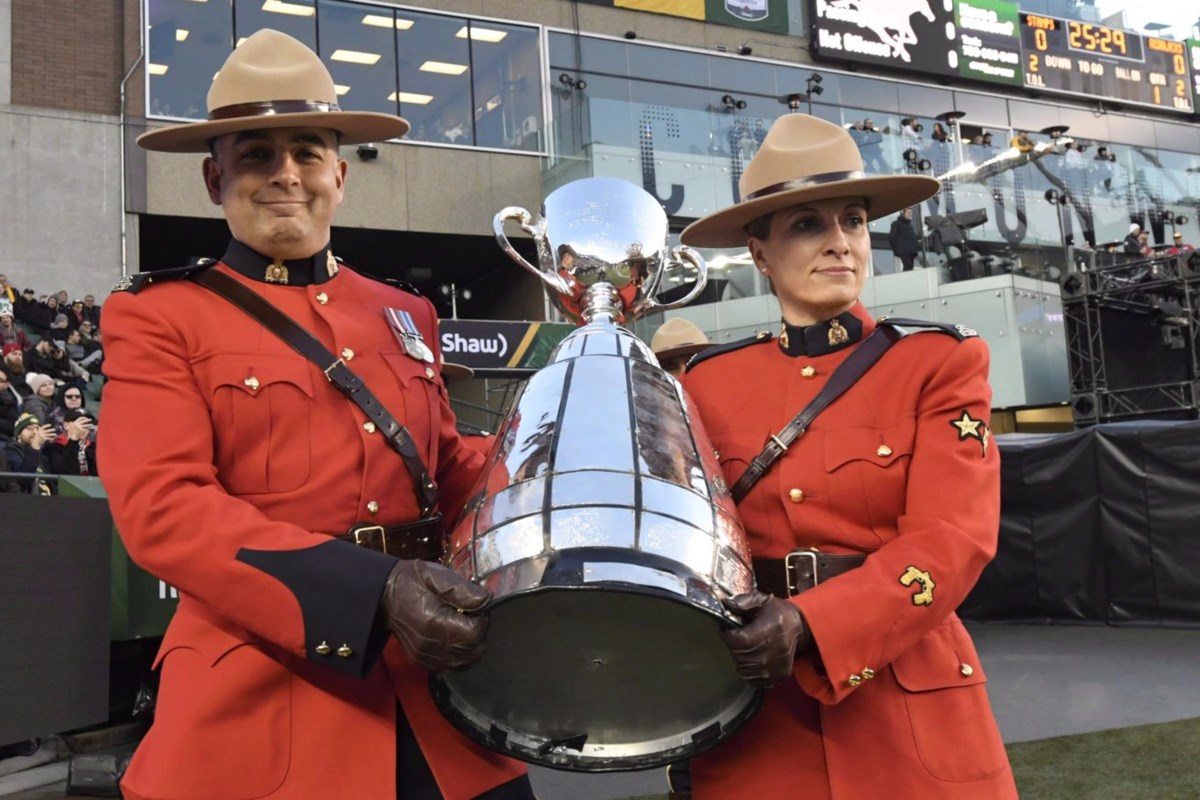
395	283
721	349
959	332
135	283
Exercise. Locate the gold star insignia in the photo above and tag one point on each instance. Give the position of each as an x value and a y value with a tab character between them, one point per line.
968	427
276	272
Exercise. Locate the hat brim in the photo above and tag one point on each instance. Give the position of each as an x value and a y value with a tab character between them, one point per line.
353	127
456	372
885	194
682	351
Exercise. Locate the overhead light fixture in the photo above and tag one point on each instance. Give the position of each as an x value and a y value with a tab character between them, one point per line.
181	34
156	69
411	97
295	9
443	68
380	21
481	34
341	89
355	57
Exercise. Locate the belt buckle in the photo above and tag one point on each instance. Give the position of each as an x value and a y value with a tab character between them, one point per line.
789	568
361	534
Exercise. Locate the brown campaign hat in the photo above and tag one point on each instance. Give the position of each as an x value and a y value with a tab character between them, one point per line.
273	81
804	159
677	338
451	372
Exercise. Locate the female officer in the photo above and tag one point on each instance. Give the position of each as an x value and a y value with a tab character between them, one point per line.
872	526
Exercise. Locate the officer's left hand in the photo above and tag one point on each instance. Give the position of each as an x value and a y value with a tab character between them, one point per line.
765	646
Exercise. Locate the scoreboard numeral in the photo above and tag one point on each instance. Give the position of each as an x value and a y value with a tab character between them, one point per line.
1157	94
1180	88
1033	62
1039	39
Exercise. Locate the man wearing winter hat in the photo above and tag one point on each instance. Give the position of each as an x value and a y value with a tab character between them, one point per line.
297	664
14	367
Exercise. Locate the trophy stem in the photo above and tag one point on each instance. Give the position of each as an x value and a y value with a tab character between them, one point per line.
601	298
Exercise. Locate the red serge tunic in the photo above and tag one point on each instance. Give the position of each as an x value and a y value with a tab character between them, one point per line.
901	468
229	462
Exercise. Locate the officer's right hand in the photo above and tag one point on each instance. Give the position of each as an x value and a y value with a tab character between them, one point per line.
428	607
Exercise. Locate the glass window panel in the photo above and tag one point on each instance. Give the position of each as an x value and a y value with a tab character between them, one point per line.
980	109
741	75
924	101
595	55
1031	116
188	44
868	93
1176	136
1130	130
356	34
506	71
296	18
667	65
435	73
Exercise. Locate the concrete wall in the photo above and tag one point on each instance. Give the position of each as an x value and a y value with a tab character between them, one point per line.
60	224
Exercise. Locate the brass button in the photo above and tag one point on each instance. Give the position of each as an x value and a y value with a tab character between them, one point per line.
369	426
429	372
868	673
854	680
967	670
373	507
323	649
344	651
322	298
252	382
347	353
796	495
807	372
884	451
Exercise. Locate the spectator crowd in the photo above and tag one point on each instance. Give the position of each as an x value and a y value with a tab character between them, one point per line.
52	352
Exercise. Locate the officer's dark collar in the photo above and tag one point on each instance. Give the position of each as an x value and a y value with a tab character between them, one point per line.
824	337
300	271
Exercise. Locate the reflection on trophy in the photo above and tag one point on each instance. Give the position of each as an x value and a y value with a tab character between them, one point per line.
601	522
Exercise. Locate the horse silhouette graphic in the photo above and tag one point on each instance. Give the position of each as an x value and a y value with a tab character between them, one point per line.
889	20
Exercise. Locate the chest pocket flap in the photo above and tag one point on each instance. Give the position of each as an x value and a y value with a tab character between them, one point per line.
262	411
882	446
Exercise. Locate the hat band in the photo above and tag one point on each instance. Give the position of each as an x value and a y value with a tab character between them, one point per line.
804	183
268	108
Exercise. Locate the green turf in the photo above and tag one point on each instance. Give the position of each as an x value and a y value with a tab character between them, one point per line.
1150	762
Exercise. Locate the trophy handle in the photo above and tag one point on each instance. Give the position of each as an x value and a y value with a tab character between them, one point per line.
647	303
549	276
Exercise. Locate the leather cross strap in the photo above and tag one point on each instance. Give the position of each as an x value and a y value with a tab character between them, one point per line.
336	371
845	376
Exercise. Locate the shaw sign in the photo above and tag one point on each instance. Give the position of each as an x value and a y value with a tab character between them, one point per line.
492	345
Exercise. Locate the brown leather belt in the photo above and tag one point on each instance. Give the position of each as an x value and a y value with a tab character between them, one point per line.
421	540
800	570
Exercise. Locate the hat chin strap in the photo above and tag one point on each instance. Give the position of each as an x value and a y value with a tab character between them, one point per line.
267	108
804	183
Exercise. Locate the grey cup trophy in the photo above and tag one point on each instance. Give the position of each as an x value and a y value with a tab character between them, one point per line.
601	523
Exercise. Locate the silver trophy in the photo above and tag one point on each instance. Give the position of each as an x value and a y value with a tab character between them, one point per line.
601	522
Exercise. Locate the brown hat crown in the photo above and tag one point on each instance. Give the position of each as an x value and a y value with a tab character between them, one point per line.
272	80
677	337
804	159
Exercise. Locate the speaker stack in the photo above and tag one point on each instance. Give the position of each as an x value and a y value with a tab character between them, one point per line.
1132	339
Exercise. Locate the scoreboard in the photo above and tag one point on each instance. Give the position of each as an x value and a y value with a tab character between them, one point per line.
996	42
1083	58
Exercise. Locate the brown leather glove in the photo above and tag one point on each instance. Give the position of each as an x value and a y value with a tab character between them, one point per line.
772	634
428	607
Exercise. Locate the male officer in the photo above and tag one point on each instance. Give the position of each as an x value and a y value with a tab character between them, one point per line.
296	664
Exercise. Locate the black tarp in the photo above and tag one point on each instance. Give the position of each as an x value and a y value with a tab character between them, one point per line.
1097	526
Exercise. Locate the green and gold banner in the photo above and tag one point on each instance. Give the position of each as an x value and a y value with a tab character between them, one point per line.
759	15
